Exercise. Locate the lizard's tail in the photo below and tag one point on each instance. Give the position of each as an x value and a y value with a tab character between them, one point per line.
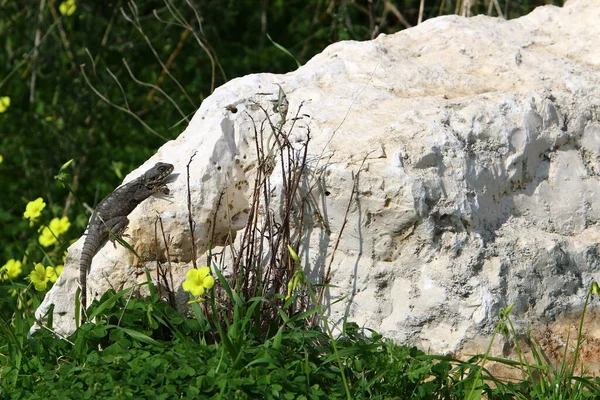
87	253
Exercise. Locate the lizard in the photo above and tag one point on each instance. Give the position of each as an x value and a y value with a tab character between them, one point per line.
110	215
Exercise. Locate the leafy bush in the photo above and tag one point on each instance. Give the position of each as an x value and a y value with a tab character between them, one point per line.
144	348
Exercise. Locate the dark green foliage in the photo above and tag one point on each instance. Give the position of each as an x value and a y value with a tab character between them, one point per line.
145	349
154	351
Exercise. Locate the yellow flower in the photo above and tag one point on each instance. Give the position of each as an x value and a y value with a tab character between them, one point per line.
57	227
54	273
11	269
1	158
67	7
34	208
60	226
198	280
4	103
47	238
41	275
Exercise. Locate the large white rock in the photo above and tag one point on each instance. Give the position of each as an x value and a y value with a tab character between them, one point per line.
480	140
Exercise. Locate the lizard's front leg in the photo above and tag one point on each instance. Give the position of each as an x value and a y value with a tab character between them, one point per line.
116	227
162	189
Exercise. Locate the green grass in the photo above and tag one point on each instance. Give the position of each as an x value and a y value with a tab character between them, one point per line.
143	348
152	351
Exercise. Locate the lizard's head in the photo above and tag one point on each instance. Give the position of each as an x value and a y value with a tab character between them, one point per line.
158	174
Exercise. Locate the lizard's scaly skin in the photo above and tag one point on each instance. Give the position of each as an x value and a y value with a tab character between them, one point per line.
111	215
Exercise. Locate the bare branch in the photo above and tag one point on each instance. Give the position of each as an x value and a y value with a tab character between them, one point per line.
191	222
36	47
120	87
387	5
136	23
154	87
125	110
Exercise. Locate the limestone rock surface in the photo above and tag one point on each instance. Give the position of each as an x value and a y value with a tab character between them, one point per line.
477	146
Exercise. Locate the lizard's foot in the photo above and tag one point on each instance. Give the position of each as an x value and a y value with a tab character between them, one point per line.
164	190
118	231
113	239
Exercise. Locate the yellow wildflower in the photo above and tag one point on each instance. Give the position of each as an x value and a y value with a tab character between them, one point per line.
41	275
34	208
60	225
54	273
67	7
198	280
47	238
4	103
11	269
1	158
57	227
